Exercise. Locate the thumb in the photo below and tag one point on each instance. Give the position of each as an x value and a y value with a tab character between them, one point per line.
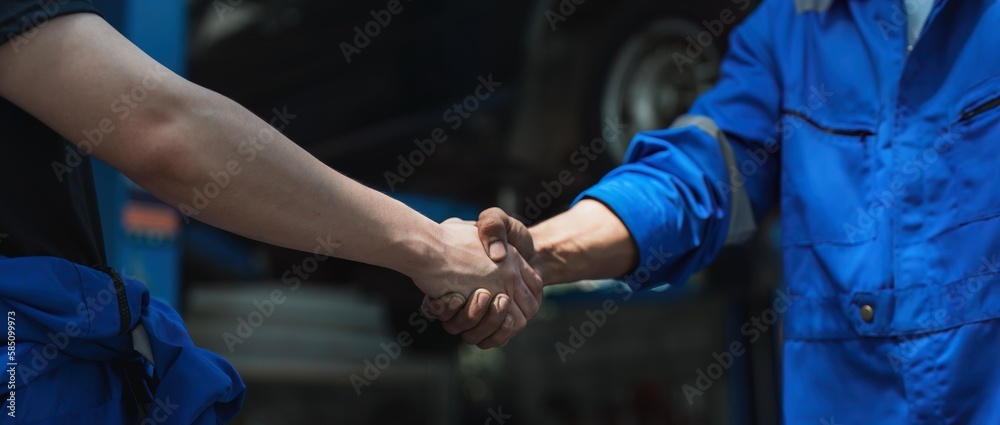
493	230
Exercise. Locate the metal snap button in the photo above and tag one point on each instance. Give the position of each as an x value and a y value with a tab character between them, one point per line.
867	313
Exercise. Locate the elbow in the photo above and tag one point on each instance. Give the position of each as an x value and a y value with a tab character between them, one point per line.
165	156
156	148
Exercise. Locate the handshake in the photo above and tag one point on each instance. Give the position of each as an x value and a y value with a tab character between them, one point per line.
486	297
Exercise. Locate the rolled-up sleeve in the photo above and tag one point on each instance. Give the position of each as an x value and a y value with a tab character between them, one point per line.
685	191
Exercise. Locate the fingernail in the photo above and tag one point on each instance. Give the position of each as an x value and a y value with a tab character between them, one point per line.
496	249
502	303
483	299
455	303
507	321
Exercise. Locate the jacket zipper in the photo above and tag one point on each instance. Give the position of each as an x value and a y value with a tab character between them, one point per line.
124	314
968	115
839	132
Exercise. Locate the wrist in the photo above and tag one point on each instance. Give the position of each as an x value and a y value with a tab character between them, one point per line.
587	242
420	251
549	262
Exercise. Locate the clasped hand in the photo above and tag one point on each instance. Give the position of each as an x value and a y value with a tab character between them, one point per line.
485	297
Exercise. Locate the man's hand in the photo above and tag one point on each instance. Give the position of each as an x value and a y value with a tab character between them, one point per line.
587	242
461	268
499	234
497	229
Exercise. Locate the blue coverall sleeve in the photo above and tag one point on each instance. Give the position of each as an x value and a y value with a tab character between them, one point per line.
674	192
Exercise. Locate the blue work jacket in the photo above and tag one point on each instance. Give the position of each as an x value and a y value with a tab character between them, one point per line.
91	347
884	157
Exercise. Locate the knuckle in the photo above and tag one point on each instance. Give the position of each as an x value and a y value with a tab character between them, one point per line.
538	295
533	305
491	212
490	225
529	312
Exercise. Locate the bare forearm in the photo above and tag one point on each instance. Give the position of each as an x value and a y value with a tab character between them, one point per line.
586	242
271	190
219	163
201	152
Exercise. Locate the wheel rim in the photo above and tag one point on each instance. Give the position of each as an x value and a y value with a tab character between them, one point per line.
646	89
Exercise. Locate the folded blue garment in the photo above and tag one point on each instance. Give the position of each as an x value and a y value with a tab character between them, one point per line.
71	352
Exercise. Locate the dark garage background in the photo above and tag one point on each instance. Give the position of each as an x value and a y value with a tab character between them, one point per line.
570	74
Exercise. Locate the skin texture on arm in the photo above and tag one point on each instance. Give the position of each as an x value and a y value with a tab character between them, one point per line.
587	242
77	74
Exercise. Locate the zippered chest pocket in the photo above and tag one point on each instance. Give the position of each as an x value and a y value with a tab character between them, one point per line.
974	162
826	182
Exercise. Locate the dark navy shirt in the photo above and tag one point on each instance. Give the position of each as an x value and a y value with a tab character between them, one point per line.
47	201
